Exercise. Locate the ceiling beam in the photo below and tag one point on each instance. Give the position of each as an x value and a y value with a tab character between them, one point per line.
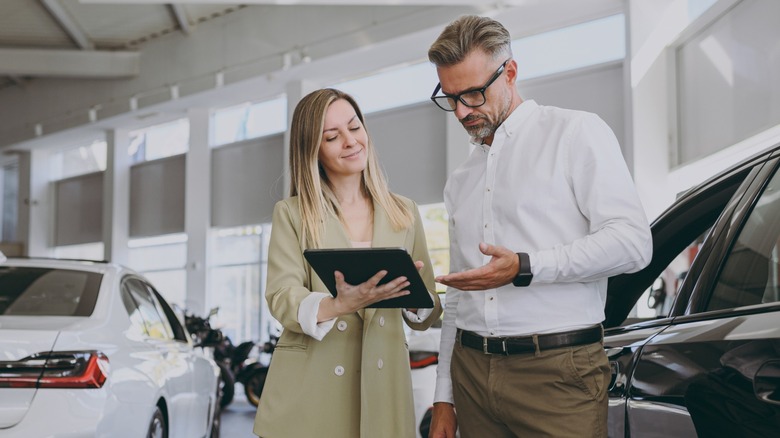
328	2
181	17
74	31
69	63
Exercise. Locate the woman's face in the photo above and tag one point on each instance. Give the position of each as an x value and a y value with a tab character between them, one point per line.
344	141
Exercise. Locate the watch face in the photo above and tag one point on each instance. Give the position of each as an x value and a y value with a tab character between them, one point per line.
522	280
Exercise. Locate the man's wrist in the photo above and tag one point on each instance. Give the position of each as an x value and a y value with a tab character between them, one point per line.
524	274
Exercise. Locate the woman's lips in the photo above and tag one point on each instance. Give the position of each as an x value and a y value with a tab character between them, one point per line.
353	155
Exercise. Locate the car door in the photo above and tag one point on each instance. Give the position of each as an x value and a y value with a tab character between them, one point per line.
165	363
713	371
682	242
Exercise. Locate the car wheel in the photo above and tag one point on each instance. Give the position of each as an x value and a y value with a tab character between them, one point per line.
227	385
253	387
157	427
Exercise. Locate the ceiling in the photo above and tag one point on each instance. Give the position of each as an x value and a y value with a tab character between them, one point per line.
97	64
69	38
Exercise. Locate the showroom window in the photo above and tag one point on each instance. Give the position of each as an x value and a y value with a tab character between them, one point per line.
76	172
435	222
727	87
160	141
248	120
237	281
162	260
10	206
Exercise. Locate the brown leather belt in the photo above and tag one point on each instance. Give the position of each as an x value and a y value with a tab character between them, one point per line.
525	344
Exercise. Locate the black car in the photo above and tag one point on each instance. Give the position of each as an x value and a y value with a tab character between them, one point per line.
707	362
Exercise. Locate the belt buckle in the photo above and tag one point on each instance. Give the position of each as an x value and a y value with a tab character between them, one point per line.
503	346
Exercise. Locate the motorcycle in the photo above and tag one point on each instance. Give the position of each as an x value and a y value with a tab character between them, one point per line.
248	371
205	336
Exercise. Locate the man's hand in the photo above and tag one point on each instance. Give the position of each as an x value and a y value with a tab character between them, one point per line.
444	423
500	270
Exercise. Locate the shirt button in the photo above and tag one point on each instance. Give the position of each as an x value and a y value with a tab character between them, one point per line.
342	325
339	370
492	333
381	321
486	225
380	364
491	298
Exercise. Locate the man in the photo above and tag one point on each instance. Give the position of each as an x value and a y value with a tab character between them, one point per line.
541	214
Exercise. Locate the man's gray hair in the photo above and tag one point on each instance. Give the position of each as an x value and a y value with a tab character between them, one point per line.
467	33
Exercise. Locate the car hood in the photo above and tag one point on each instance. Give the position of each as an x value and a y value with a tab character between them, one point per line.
15	344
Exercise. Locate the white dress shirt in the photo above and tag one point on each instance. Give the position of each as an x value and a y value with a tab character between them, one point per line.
553	184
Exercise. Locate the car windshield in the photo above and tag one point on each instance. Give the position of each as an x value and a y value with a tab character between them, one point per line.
32	291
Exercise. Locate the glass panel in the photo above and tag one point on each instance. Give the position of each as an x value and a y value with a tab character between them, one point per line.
236	290
159	141
157	257
47	292
78	160
154	324
245	121
572	47
751	274
10	202
240	245
172	285
727	80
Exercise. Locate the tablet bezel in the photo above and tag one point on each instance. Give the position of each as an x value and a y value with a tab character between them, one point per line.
360	264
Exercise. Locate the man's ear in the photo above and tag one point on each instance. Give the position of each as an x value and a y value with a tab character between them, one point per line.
511	71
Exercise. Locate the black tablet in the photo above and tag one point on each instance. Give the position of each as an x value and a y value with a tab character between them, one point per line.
360	264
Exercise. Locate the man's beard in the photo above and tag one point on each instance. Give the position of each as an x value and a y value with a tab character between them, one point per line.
489	127
479	132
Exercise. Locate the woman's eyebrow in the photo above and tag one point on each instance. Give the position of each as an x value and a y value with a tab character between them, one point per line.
348	122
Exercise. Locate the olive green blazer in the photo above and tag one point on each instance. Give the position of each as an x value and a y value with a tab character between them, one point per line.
356	381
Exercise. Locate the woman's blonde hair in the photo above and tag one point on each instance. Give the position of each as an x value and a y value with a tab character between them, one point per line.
309	181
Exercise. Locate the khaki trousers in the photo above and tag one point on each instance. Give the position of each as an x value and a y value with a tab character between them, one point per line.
555	393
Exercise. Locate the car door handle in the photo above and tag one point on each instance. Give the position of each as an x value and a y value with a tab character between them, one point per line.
766	384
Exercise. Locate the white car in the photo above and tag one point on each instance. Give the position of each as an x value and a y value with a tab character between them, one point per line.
91	349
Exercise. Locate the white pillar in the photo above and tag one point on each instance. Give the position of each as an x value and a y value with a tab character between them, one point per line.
36	223
197	210
116	197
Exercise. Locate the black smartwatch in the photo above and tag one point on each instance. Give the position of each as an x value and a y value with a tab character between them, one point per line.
524	276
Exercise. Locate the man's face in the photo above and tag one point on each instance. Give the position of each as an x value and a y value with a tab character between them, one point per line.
474	72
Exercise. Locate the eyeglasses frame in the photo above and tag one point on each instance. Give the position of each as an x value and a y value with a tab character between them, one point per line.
458	97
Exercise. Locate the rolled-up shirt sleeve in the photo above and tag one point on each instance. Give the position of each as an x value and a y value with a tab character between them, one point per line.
307	316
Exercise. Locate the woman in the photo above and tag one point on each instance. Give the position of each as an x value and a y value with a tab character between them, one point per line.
339	370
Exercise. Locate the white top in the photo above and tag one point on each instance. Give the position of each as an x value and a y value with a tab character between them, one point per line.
553	184
310	306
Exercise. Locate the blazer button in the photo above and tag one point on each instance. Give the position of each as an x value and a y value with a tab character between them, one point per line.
380	364
381	321
342	325
339	370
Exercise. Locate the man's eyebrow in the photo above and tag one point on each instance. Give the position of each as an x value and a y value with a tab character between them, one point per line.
333	129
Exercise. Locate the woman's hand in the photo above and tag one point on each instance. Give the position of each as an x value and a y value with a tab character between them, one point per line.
351	298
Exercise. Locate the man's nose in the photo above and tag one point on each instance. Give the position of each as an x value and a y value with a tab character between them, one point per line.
461	110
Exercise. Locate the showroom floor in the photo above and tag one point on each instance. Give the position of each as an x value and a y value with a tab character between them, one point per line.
238	418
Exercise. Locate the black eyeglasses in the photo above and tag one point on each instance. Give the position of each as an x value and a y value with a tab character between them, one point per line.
470	98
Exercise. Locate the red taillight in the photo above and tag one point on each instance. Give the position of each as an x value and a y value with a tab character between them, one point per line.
66	369
421	359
